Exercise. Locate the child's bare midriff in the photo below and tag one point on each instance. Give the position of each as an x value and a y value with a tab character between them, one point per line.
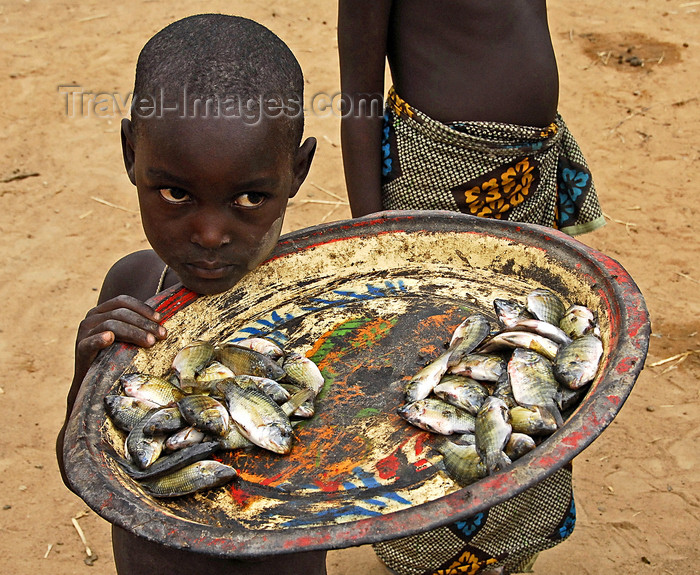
488	61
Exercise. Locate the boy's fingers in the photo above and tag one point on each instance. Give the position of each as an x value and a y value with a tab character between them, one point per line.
135	319
126	323
89	347
134	331
127	303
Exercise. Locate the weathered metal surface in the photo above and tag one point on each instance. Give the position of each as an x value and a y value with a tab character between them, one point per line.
370	301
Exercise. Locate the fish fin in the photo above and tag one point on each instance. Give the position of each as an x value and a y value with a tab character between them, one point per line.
496	462
295	401
553	409
130	469
306	410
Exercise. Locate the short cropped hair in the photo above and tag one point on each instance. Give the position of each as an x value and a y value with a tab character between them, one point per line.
212	64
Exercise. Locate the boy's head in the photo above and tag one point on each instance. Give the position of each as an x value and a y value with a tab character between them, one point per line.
215	64
213	145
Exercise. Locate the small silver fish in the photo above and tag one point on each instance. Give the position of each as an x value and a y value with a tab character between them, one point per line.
463	330
262	345
245	361
207	379
258	417
532	380
215	371
126	412
422	383
544	304
233	440
577	363
144	449
543	328
473	331
461	391
509	312
300	370
504	391
164	421
190	361
205	413
492	431
151	388
488	368
266	385
462	462
437	416
186	437
171	463
521	339
195	477
518	445
533	420
578	321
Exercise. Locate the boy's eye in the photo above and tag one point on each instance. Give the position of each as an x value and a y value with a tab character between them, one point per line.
174	195
250	199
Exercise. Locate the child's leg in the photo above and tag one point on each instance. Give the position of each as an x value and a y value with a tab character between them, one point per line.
136	556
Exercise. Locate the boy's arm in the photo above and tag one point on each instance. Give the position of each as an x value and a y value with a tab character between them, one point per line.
120	315
362	40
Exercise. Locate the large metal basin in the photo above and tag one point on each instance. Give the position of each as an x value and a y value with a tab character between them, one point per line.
370	301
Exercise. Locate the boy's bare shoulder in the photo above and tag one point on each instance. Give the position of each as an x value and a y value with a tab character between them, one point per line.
136	274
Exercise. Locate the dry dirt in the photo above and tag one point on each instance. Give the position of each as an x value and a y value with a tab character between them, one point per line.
629	91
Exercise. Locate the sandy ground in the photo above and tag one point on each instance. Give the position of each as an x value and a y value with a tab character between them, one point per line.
629	78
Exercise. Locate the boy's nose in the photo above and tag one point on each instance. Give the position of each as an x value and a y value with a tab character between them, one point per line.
210	232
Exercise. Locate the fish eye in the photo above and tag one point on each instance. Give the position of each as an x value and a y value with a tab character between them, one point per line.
250	199
174	195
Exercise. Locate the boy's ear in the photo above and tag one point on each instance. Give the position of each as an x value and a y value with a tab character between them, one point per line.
128	148
302	164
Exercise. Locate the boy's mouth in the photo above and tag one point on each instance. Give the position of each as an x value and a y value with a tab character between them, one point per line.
208	270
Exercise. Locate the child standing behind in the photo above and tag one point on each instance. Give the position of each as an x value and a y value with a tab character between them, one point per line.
471	121
470	125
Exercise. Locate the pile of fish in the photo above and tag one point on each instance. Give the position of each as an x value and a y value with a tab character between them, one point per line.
500	393
216	397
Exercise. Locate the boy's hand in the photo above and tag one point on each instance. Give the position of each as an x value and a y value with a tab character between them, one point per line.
122	318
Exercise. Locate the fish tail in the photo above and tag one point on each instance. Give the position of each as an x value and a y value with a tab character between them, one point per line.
553	409
296	400
496	461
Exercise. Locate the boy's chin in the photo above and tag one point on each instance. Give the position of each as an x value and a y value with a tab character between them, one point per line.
206	281
209	287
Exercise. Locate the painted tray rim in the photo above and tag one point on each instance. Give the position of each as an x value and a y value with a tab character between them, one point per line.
94	483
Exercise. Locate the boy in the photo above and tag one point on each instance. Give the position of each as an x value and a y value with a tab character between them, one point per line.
471	122
470	125
214	150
